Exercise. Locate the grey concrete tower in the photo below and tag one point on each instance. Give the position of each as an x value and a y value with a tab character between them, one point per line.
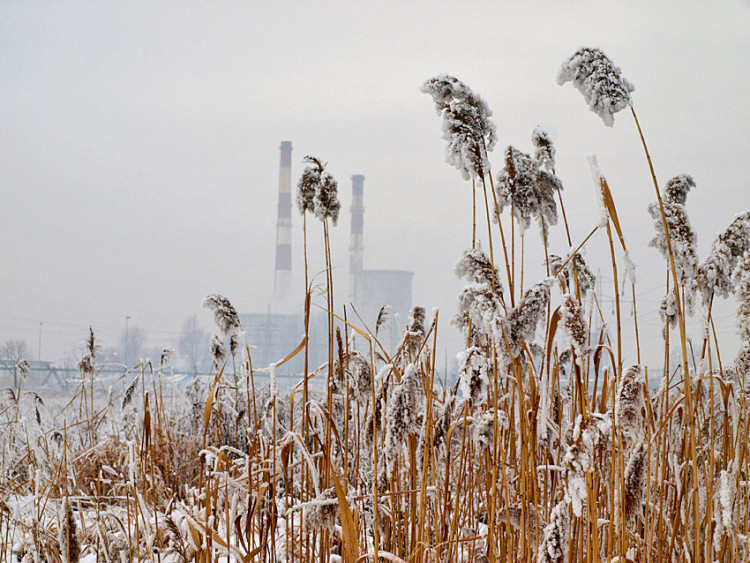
283	271
356	244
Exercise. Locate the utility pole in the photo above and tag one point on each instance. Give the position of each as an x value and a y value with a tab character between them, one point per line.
39	351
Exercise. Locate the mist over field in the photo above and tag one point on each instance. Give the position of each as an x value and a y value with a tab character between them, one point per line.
140	145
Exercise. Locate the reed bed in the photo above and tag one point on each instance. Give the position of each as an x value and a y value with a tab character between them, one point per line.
550	447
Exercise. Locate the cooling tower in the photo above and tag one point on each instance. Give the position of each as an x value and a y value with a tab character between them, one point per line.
283	269
356	246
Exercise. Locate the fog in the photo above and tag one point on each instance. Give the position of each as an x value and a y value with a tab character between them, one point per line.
140	145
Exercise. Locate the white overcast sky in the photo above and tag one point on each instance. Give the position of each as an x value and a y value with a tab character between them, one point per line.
139	142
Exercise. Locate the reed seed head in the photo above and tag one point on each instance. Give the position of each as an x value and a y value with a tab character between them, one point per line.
527	189
467	127
544	149
225	314
604	88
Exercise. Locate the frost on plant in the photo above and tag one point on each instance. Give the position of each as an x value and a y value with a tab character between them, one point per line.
635	483
588	442
327	204
24	368
225	315
472	372
467	127
520	324
683	241
630	405
320	514
724	508
480	305
361	380
575	271
604	88
554	545
482	431
528	190
478	302
741	281
681	234
307	185
575	324
544	149
218	352
404	412
715	271
475	266
317	191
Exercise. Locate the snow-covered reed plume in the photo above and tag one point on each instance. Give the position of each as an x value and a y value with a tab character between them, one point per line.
87	363
741	279
482	431
635	483
724	522
630	405
554	545
404	412
307	185
24	368
575	325
588	442
601	82
683	241
218	352
467	126
166	357
361	380
575	269
682	236
478	302
320	513
520	324
528	189
480	305
415	331
544	149
383	318
327	204
317	191
475	266
715	271
472	372
225	315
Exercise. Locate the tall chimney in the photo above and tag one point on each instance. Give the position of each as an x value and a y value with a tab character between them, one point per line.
284	224
356	246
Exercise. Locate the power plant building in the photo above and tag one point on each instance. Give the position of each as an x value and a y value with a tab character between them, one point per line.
274	335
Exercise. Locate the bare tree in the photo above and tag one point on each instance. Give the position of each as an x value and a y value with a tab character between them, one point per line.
194	344
131	344
13	351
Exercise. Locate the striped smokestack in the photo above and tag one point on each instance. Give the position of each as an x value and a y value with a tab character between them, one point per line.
284	224
356	246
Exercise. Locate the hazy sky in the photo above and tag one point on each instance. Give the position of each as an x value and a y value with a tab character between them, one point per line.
140	143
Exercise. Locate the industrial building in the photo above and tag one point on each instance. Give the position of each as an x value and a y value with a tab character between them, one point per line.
275	334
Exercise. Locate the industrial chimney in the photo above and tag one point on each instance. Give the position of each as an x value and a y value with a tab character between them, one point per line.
284	224
356	246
